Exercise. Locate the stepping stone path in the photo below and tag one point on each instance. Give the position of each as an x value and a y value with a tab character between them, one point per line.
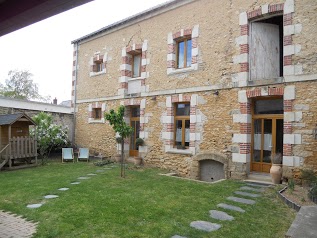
252	189
91	174
50	196
230	207
63	189
84	178
205	226
257	185
252	195
241	200
177	236
36	205
100	171
222	216
74	183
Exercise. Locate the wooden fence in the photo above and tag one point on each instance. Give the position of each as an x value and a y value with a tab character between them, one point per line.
22	147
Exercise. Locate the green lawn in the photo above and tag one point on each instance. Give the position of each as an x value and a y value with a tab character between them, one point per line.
144	204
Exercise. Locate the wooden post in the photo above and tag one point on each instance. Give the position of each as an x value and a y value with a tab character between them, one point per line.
9	135
35	144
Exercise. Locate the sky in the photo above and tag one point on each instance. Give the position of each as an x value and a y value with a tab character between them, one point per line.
45	49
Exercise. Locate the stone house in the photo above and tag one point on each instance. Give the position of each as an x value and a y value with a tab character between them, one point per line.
215	88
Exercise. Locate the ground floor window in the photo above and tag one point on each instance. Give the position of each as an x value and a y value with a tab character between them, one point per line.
182	125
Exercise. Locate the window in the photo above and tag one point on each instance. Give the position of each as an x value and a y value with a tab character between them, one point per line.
184	53
182	125
97	113
99	66
136	65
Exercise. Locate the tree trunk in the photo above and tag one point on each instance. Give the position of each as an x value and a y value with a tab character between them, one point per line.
122	158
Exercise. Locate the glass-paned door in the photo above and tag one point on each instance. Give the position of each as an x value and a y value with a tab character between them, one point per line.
135	124
267	140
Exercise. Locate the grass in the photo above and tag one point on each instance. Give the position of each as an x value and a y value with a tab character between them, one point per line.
144	204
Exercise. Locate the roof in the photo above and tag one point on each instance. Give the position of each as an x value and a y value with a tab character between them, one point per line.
9	119
147	13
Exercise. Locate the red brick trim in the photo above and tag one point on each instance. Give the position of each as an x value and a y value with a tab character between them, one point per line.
254	93
287	128
287	149
255	13
275	8
244	30
244	48
245	108
288	105
288	40
276	91
244	67
288	19
287	60
245	128
245	148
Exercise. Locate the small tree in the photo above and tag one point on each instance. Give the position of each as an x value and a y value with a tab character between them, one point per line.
116	120
48	134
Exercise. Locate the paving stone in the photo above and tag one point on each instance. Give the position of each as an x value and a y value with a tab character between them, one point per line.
177	236
252	189
252	195
230	207
50	196
91	174
74	183
241	200
84	178
258	185
37	205
63	189
110	168
100	171
219	215
205	226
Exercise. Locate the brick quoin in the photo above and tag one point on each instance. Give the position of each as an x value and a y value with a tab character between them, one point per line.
245	108
171	64
245	148
244	48
141	126
186	98
142	82
170	111
169	142
245	128
288	105
169	127
142	112
191	143
128	49
193	110
171	49
287	150
287	60
138	46
144	54
255	13
276	91
187	32
175	98
143	68
195	42
287	128
254	93
244	67
287	19
125	60
244	30
194	59
177	35
124	85
276	8
288	40
192	127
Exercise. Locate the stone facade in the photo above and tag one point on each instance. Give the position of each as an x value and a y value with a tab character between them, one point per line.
217	84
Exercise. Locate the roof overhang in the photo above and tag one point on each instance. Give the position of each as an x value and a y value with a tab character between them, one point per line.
16	14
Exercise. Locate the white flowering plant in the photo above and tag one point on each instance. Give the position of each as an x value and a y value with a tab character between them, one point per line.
48	134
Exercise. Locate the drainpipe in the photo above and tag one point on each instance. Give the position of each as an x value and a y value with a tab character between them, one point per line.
75	84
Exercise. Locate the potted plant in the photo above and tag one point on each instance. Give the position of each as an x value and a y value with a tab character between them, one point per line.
138	159
276	169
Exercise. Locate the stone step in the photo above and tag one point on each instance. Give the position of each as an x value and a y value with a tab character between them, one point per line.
252	189
230	207
205	226
252	195
241	200
178	236
219	215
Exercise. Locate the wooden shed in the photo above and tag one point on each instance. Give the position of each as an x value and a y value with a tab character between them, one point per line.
15	141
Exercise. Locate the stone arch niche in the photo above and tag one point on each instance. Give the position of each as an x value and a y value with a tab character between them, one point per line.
209	167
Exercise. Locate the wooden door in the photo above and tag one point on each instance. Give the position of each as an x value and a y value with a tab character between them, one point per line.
267	140
264	51
135	124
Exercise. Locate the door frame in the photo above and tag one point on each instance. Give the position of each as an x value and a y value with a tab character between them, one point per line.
133	120
272	117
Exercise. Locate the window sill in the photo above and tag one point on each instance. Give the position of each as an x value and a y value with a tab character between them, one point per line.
135	79
178	151
171	71
92	74
96	121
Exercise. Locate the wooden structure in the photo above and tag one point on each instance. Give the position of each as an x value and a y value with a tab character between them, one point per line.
15	141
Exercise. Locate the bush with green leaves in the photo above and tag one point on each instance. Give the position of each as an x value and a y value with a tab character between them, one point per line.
48	135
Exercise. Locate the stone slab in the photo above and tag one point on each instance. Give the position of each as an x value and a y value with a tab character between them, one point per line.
100	170
304	224
50	196
241	200
230	207
219	215
259	190
178	236
205	226
82	178
36	205
258	185
63	189
252	195
91	174
74	183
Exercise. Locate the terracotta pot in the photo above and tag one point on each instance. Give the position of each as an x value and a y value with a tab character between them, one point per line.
137	160
276	173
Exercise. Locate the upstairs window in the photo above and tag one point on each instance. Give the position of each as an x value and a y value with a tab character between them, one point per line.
136	65
184	53
182	125
99	66
96	113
